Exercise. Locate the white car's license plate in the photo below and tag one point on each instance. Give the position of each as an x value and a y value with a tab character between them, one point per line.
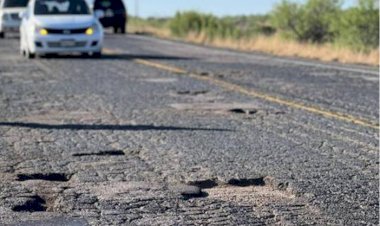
67	43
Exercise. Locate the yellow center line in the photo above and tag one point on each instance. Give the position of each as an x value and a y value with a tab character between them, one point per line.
274	99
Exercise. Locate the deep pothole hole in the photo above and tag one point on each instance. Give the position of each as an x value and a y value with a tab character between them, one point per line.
59	177
247	182
237	182
33	204
215	183
205	184
194	196
101	153
243	111
193	93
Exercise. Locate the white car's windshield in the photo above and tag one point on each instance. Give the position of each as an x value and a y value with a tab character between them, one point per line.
61	7
15	3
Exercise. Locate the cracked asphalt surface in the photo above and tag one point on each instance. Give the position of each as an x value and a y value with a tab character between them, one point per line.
114	141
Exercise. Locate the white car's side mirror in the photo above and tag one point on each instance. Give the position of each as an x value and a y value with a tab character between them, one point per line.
22	14
99	14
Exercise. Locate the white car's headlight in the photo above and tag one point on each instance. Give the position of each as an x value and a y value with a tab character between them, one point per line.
41	31
92	30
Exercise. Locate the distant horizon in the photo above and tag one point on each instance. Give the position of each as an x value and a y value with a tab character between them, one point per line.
168	8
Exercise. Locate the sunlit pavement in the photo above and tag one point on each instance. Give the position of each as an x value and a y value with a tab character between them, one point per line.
166	133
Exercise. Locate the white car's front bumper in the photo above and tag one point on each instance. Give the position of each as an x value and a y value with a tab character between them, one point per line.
57	43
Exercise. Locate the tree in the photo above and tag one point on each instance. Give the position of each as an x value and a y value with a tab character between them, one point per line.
307	22
286	17
358	27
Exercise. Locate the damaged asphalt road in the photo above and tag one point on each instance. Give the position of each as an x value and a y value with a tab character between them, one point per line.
166	133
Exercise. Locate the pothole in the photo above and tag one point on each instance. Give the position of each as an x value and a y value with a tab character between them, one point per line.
216	184
193	93
32	204
101	153
205	184
243	111
214	106
59	177
247	182
236	182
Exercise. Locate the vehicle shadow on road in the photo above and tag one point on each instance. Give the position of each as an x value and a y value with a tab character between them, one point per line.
78	127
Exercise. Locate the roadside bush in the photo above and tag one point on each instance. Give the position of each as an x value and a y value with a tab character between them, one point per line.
286	17
358	27
191	22
310	22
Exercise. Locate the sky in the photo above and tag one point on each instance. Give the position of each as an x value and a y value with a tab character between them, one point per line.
164	8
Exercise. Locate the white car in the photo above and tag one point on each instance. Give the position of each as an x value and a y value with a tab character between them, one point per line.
9	15
60	26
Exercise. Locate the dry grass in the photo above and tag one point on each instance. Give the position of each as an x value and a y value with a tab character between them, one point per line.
274	45
151	30
277	46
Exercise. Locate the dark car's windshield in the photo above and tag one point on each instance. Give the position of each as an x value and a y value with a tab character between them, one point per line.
61	7
15	3
109	4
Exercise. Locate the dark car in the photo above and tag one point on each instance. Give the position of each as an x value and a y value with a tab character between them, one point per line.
115	14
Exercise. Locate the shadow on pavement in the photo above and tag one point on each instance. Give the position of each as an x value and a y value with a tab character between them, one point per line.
105	127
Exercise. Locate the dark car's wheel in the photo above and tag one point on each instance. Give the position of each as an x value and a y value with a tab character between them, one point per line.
115	29
85	55
97	54
2	34
122	29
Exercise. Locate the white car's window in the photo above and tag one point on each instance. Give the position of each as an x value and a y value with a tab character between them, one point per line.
61	7
15	3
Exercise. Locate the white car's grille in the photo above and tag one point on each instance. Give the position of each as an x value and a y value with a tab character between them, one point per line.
67	31
60	45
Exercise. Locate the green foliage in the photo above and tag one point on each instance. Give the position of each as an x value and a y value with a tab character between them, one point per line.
185	23
307	22
358	27
322	21
315	21
287	17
